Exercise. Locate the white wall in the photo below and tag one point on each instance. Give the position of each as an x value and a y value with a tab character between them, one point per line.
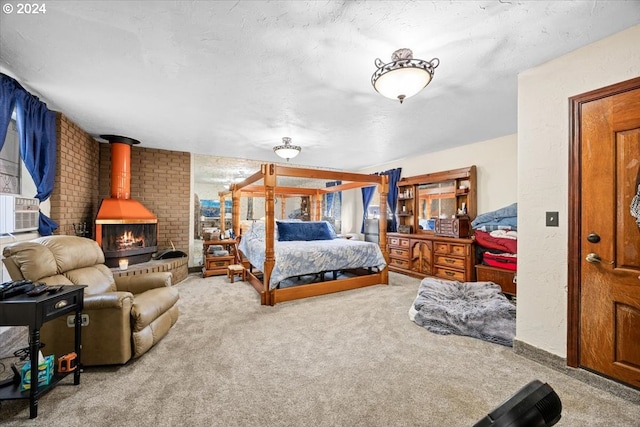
532	169
495	160
543	148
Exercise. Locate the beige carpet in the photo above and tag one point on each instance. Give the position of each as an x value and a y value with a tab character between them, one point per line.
347	359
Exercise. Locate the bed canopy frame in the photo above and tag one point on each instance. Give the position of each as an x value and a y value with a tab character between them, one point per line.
264	183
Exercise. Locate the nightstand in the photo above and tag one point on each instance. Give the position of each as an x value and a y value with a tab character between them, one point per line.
217	265
23	310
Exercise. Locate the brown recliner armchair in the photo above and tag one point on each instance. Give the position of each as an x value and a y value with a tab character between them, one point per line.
127	315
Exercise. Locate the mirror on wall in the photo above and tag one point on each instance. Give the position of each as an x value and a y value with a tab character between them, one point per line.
435	200
213	174
423	199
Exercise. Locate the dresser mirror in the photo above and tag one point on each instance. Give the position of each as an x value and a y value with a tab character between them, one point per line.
441	195
435	200
214	175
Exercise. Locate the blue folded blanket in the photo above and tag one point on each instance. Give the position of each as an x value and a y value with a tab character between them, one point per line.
502	219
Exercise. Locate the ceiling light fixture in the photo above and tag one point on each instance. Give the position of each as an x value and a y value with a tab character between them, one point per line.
287	151
404	76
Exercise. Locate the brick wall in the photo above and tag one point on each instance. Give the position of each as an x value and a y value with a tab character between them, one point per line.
74	199
160	180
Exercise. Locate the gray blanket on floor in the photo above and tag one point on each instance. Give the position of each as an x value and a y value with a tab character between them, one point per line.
475	309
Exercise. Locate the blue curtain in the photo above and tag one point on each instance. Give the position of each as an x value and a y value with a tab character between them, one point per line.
37	132
392	195
8	88
329	200
367	195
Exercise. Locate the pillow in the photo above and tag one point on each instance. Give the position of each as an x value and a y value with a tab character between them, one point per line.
332	231
257	230
305	230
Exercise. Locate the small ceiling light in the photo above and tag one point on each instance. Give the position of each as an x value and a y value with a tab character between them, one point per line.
404	76
287	151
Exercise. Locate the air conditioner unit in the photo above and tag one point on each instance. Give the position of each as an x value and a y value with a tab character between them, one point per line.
18	214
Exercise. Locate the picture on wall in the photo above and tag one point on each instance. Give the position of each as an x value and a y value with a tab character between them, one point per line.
211	208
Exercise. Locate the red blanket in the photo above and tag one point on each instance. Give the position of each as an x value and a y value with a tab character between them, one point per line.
501	243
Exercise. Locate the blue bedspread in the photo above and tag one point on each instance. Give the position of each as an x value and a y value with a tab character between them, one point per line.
308	257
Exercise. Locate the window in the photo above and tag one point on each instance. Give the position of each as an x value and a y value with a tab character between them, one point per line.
333	214
10	163
374	207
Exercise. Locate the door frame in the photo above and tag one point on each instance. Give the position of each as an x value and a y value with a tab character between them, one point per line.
575	201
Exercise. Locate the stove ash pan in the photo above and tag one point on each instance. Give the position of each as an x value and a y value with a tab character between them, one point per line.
134	242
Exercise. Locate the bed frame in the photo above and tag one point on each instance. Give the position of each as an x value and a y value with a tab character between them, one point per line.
269	189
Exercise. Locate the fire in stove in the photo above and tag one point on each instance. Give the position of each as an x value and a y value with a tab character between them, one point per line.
128	241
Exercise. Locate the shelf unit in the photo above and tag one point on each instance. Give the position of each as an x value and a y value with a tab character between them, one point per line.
453	191
446	199
406	207
217	265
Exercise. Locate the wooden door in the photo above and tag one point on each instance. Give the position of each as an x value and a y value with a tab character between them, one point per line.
421	256
607	255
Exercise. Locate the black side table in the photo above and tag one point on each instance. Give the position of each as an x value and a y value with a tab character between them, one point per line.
33	312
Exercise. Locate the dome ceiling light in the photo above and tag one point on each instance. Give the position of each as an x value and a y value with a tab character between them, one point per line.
287	151
404	76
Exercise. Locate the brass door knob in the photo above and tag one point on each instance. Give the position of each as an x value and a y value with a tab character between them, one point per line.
595	258
592	257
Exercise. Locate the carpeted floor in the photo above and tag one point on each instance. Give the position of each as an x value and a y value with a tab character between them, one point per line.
347	359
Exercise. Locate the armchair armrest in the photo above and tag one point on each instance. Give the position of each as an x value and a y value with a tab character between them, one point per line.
142	283
108	300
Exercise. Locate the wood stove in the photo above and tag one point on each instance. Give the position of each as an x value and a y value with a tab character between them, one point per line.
125	229
135	242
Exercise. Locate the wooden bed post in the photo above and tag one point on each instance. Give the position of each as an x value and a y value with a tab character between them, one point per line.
317	207
222	213
235	210
383	189
269	260
283	207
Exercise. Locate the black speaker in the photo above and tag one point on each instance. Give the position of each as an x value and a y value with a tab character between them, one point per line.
534	405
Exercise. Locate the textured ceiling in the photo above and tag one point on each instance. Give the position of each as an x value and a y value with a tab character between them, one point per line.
231	78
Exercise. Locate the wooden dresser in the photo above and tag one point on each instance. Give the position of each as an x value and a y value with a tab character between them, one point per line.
434	212
421	255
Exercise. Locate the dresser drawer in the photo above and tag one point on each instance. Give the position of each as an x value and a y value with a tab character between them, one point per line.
505	278
446	273
450	248
401	263
399	242
55	307
399	253
450	262
218	262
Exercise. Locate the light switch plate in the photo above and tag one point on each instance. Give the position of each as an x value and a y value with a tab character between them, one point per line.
552	219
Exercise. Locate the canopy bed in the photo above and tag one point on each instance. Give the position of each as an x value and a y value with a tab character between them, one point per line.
270	246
